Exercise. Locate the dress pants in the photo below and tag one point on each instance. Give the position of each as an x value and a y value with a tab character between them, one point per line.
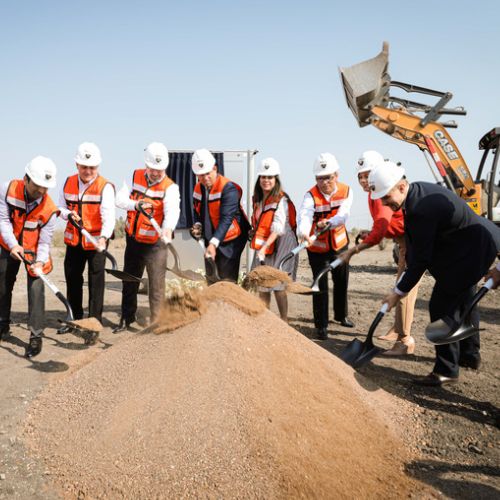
340	275
227	268
9	268
448	356
74	265
153	258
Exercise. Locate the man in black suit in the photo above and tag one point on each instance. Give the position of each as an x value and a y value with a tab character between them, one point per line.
219	216
457	247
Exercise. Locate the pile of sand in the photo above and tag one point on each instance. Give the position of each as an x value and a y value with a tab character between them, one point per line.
229	406
270	277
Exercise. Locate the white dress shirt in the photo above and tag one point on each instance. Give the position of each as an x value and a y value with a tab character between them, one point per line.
306	213
171	205
7	231
107	208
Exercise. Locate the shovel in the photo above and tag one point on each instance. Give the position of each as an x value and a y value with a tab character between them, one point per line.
458	326
358	353
304	244
330	267
210	266
176	269
121	275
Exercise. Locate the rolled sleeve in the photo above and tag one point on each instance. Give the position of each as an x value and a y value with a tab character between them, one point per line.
45	240
305	218
280	218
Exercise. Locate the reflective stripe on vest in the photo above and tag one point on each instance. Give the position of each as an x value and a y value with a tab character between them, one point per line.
137	225
336	238
87	206
214	201
27	226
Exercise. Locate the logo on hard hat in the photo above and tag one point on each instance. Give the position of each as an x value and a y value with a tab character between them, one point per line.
360	162
88	156
158	159
266	166
200	164
323	164
48	177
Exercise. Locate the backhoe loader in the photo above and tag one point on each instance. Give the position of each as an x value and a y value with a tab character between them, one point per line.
367	88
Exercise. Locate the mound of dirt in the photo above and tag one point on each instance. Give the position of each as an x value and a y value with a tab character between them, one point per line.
229	406
265	276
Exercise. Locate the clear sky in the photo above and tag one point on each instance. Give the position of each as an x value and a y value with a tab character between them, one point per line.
232	75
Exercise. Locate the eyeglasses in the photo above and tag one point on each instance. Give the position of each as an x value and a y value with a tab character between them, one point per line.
83	167
326	178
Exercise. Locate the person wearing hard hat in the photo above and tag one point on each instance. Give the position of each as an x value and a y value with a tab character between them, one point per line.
27	221
327	203
273	230
89	199
387	224
445	237
145	249
219	216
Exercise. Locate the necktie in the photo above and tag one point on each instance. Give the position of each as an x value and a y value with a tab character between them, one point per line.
207	223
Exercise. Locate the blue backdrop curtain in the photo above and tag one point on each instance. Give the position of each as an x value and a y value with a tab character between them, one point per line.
179	170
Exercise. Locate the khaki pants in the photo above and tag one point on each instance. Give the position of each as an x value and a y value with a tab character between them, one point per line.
406	306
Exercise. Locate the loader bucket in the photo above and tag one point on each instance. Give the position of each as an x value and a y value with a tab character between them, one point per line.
366	84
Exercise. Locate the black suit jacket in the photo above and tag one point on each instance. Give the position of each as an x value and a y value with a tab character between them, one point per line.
229	209
447	238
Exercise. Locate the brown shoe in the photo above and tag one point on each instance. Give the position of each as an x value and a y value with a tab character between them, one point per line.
401	348
391	336
435	380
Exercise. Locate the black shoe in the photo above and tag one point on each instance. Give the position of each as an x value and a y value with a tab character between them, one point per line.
122	326
473	364
64	329
34	348
435	380
4	332
322	333
346	322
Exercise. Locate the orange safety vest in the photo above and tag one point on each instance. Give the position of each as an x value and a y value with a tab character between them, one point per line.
138	226
262	224
88	207
214	197
27	226
336	238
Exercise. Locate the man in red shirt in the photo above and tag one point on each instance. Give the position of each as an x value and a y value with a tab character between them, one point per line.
387	224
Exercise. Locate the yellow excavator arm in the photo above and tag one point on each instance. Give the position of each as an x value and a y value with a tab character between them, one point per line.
366	86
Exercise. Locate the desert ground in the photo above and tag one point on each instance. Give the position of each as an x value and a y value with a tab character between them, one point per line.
451	434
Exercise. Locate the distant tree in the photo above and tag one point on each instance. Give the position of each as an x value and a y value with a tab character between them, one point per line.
120	228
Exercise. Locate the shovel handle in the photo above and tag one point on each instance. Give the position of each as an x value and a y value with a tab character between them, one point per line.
153	222
144	211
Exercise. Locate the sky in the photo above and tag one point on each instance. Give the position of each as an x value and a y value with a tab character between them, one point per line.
233	75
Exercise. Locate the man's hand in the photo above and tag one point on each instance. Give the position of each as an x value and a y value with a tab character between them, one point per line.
144	204
494	274
210	251
17	252
196	232
75	216
345	257
101	243
167	236
302	239
392	299
37	266
322	224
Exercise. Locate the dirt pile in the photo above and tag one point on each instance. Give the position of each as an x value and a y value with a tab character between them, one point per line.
270	277
229	406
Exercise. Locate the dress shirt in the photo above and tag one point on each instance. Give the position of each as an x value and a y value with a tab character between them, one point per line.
7	231
306	213
107	208
171	205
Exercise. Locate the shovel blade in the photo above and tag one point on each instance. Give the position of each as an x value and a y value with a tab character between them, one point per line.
366	356
352	352
439	332
188	274
123	276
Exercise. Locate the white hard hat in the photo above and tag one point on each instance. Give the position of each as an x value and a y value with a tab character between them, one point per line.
325	164
269	166
369	160
88	155
156	156
384	178
202	162
42	171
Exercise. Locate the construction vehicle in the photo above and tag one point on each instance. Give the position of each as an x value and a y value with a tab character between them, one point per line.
367	88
